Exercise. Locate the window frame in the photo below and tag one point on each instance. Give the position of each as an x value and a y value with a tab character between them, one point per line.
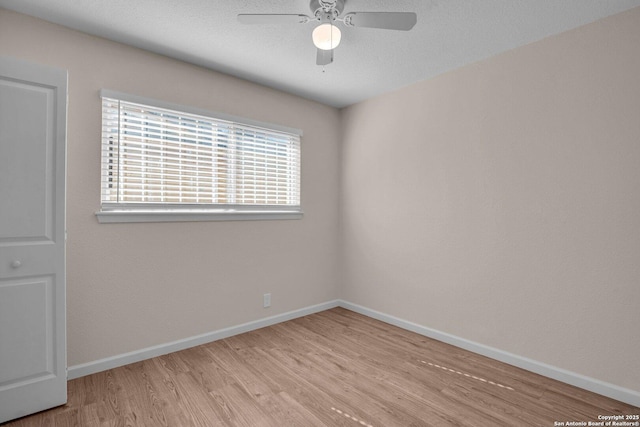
115	212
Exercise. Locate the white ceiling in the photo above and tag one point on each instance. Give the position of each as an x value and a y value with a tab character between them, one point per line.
368	62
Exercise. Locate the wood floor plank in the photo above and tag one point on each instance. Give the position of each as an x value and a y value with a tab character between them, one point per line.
333	368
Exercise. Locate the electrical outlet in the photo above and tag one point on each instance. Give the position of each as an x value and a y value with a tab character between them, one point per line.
266	300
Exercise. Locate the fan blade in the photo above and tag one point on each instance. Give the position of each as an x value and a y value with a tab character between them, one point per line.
324	57
385	20
272	18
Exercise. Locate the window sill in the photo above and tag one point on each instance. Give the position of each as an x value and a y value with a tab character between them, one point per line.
147	215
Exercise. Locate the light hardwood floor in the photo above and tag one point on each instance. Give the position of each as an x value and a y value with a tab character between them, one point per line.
334	368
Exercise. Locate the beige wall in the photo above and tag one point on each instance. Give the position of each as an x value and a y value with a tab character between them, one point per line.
501	202
131	286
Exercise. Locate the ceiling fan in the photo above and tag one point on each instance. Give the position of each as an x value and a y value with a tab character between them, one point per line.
326	36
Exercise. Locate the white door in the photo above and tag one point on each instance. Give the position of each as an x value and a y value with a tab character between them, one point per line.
33	110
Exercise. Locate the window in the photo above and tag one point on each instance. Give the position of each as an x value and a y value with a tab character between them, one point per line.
163	162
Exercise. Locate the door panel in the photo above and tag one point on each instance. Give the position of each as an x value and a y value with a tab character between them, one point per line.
32	238
29	357
23	161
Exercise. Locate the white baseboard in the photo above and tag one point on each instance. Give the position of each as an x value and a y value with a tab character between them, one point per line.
622	394
89	368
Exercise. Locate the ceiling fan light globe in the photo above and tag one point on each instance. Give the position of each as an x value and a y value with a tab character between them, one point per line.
326	36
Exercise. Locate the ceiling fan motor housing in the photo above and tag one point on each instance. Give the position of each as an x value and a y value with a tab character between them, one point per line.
327	10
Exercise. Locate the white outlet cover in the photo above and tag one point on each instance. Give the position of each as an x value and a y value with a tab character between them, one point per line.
266	300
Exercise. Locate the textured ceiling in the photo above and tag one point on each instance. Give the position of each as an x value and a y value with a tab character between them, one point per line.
368	62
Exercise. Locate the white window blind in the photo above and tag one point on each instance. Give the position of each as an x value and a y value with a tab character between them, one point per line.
156	158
